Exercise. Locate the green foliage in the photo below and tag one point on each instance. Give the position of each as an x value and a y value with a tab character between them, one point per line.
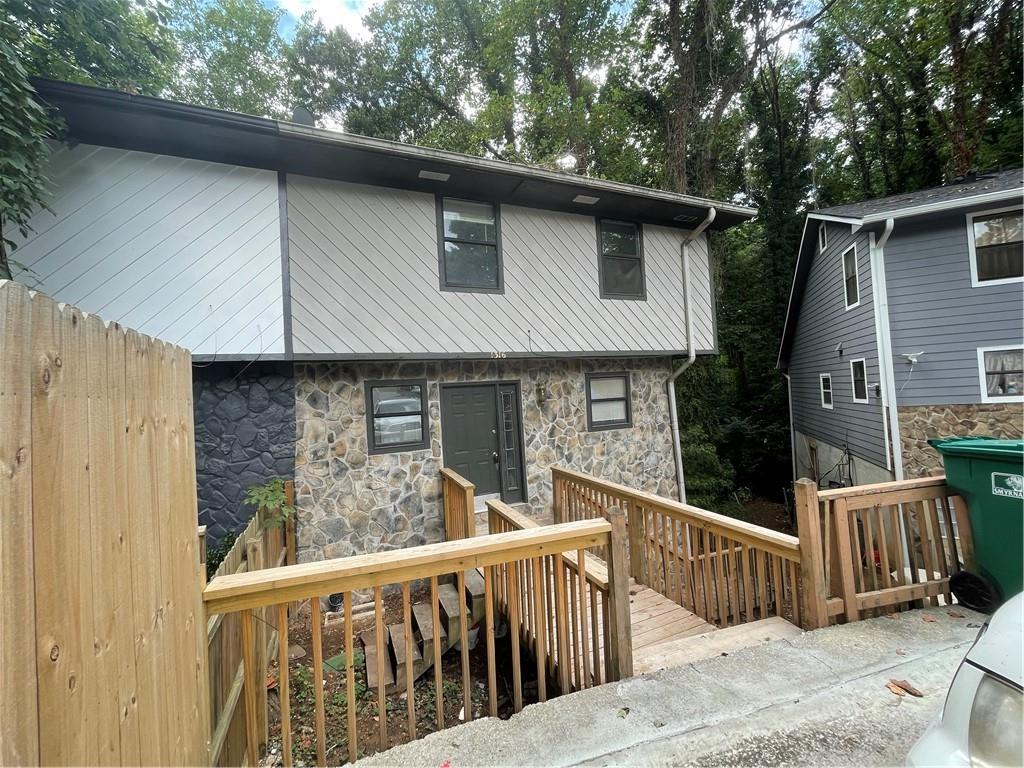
302	684
271	502
215	555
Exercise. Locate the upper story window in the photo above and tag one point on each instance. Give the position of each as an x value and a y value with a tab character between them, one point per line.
851	281
396	416
620	244
996	240
1002	373
608	401
469	244
825	385
859	375
822	237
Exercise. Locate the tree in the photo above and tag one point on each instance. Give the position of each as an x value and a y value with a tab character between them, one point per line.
321	66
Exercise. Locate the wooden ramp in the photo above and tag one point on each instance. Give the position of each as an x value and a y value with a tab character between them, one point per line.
655	620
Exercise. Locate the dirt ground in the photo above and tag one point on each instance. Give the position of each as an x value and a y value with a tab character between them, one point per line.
768	514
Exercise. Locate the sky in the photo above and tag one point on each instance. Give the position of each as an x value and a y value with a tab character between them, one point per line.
347	13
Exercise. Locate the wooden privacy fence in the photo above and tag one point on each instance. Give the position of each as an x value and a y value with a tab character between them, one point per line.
882	547
257	546
724	570
496	555
568	616
102	656
459	516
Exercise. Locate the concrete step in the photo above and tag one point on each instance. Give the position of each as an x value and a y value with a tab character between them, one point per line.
685	650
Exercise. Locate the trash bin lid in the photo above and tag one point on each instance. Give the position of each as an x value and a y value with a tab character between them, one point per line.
979	447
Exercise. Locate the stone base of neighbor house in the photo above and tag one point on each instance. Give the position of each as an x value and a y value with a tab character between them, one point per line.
245	435
351	502
920	423
828	464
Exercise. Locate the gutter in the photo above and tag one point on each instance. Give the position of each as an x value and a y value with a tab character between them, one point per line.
792	429
691	352
884	334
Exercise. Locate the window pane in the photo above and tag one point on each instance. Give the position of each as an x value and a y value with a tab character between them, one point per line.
852	290
608	410
1004	372
396	399
860	384
464	220
471	265
608	388
392	430
998	228
623	277
619	238
996	262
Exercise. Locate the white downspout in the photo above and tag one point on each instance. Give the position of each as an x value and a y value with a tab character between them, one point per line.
886	368
691	353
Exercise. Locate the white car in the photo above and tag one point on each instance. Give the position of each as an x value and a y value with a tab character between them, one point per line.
982	720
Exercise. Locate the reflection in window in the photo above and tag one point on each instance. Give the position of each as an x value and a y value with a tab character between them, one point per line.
622	262
999	245
1004	372
470	253
396	416
850	282
608	400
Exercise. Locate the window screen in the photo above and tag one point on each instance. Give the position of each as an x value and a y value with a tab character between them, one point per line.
470	250
622	260
396	416
999	245
608	400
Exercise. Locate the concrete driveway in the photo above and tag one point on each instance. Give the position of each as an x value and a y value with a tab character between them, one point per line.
817	699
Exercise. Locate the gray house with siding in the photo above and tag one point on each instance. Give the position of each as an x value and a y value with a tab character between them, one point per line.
906	322
362	312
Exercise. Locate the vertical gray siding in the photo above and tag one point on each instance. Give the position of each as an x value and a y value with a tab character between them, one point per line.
823	323
185	250
934	308
364	280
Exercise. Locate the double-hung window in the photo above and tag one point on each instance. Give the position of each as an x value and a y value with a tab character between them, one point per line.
608	401
851	284
469	245
996	241
1002	374
859	375
620	244
825	386
396	416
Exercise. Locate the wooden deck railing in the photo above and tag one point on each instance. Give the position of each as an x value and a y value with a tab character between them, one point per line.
724	570
884	546
498	556
575	602
459	515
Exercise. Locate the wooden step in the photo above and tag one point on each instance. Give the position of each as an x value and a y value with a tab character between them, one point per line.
685	650
369	641
475	595
396	633
423	618
450	601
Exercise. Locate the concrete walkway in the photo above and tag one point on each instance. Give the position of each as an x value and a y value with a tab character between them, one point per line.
817	699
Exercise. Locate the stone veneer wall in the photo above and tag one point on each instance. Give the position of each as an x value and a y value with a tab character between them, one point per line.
919	423
350	502
245	435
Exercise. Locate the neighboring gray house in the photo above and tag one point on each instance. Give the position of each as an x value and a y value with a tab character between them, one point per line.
361	312
906	322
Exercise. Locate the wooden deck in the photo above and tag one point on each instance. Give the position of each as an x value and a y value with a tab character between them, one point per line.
656	620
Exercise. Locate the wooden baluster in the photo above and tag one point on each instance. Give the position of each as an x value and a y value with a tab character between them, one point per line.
883	551
954	555
870	547
560	612
748	583
410	680
940	548
923	524
249	686
467	692
382	702
780	587
492	678
664	552
574	622
705	564
794	595
860	580
350	682
899	566
762	584
282	674
316	623
732	560
963	529
539	631
720	586
583	587
514	632
845	562
435	616
652	553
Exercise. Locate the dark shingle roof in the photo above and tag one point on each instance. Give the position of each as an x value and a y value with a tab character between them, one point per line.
983	183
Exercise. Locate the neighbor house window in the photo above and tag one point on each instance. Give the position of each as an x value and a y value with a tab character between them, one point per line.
859	374
851	287
396	416
996	244
620	244
608	401
470	246
825	383
1002	373
822	237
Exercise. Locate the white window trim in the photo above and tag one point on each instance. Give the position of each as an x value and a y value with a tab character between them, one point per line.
856	274
822	237
975	282
985	396
853	381
831	392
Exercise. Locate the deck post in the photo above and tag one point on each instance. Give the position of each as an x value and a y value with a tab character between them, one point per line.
812	571
620	650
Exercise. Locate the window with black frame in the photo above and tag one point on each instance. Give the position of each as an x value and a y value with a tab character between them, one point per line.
998	246
396	416
469	245
608	405
622	260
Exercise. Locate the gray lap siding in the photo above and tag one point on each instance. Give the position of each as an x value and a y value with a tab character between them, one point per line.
823	324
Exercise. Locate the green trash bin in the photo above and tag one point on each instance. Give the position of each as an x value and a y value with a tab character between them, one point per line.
989	474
